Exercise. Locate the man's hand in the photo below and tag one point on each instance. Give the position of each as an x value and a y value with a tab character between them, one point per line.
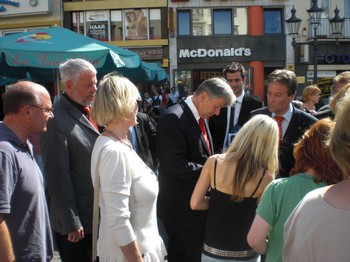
76	236
6	250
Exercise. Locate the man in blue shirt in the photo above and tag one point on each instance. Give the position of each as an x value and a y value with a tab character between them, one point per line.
24	219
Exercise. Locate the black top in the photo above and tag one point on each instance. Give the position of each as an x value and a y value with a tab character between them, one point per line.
228	221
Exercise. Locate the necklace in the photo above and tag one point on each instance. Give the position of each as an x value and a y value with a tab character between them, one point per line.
124	141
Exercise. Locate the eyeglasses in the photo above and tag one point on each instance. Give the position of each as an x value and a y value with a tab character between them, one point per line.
46	110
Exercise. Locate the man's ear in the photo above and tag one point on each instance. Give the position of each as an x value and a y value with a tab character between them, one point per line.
69	85
27	110
202	96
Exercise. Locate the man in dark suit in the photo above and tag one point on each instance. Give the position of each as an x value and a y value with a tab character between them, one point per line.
338	82
281	89
224	126
183	147
143	137
66	150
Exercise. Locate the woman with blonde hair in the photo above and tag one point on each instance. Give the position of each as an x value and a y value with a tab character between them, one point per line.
236	180
127	188
311	96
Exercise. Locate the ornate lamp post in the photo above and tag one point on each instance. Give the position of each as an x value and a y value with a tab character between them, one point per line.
337	24
315	12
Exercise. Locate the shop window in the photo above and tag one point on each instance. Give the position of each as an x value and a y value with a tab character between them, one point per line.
136	24
183	82
155	24
97	24
240	21
78	22
184	23
116	25
273	21
119	25
222	20
346	8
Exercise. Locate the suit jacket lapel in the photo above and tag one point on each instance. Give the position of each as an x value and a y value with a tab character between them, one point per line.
79	116
138	132
244	108
292	129
195	125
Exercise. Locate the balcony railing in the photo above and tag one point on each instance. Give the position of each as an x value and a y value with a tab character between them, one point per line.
324	29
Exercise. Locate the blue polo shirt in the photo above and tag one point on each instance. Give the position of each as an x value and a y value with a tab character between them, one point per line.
22	199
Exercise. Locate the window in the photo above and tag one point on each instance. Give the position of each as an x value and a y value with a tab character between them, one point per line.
136	24
222	20
183	80
240	21
116	25
78	22
183	18
6	33
272	21
207	22
325	5
155	24
97	24
201	20
119	25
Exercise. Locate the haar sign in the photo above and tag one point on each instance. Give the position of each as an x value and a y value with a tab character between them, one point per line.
228	52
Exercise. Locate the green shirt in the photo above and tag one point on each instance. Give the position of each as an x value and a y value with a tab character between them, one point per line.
277	203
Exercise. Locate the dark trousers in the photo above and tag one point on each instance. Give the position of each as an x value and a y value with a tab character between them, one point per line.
185	245
74	251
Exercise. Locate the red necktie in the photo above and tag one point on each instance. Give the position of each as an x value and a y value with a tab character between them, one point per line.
279	120
88	113
204	132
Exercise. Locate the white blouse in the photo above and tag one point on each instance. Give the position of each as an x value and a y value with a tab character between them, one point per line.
128	195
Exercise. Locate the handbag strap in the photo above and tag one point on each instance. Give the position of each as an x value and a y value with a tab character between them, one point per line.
95	216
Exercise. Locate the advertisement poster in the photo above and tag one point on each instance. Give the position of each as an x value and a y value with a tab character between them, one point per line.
97	25
136	24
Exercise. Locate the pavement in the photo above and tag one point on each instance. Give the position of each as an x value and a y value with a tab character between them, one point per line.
56	257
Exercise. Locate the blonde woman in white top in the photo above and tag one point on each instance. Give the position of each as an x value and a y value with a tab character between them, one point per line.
128	228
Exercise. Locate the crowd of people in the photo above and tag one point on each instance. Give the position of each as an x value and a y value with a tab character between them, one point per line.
210	176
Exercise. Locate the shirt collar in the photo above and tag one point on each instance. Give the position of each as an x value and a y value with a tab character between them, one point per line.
287	115
70	100
239	99
11	136
192	107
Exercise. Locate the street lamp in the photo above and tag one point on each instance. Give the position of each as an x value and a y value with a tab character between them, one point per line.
315	12
337	24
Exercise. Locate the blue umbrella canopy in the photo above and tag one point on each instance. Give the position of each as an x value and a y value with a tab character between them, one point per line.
155	73
40	52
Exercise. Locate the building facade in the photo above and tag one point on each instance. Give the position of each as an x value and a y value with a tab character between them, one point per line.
206	35
20	16
140	26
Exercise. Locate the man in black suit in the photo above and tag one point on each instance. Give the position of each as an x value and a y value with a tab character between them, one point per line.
143	138
183	149
281	89
338	82
224	126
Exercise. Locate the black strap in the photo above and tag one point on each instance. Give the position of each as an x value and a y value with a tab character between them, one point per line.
257	186
216	162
